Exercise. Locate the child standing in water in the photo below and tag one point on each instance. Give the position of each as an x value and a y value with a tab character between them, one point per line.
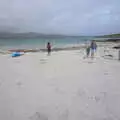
49	48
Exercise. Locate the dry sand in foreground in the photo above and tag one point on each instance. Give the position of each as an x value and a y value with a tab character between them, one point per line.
63	86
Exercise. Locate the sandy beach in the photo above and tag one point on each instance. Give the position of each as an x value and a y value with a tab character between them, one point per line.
63	86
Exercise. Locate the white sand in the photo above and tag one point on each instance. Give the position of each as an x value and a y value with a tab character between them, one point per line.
63	86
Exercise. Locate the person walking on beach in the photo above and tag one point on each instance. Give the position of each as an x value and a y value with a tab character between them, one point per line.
87	49
93	48
49	48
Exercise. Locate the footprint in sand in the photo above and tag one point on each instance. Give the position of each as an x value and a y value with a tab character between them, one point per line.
85	60
106	73
81	93
19	83
17	61
90	62
38	116
58	90
95	98
103	94
43	61
99	97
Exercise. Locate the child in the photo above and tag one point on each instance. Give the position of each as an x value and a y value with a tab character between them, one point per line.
49	48
88	51
93	48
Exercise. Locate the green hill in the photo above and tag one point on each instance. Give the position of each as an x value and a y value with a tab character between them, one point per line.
112	36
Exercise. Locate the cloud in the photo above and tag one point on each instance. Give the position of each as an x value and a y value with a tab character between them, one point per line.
86	17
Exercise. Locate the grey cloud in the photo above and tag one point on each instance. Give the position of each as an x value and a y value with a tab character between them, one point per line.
86	17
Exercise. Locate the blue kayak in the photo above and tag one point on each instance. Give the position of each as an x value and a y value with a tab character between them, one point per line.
16	54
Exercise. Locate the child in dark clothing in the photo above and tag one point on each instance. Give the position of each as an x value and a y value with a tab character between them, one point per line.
49	48
88	51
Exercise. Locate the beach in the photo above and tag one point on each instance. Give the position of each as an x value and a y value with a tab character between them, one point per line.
62	86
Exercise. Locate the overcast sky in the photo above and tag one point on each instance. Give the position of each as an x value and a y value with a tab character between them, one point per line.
82	17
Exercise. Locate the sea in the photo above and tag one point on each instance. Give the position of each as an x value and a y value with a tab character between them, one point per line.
6	44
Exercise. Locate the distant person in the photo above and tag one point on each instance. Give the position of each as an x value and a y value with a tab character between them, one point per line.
49	48
87	49
93	48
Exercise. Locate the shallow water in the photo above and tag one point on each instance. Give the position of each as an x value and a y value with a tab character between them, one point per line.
40	43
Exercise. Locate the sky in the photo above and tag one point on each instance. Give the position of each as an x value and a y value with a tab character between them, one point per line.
74	17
